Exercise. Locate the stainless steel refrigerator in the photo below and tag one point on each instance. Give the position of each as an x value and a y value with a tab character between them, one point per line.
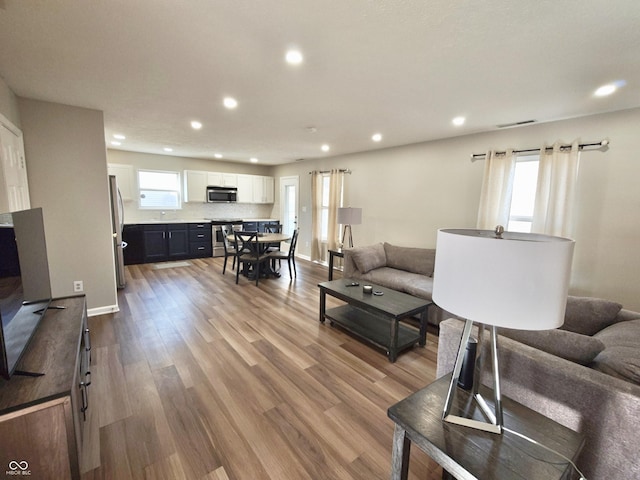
117	221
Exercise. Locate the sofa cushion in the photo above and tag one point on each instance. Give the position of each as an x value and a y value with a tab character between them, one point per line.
415	260
587	315
621	358
369	257
571	346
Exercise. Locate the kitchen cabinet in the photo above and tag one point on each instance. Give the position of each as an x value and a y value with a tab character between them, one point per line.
134	236
200	244
126	180
164	242
255	189
42	418
160	242
14	186
263	189
195	186
218	179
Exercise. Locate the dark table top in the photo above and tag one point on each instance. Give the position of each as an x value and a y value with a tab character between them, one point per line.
392	302
473	453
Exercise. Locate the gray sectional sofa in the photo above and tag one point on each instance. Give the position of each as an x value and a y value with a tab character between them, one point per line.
585	375
406	269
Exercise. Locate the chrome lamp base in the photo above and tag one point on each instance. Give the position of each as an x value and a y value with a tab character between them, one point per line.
494	421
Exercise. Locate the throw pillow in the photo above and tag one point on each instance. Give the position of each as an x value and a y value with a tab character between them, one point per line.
410	259
369	257
571	346
588	315
622	355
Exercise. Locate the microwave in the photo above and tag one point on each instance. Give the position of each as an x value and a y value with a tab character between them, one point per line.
222	194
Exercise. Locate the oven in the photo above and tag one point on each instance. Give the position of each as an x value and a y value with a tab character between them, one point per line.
216	233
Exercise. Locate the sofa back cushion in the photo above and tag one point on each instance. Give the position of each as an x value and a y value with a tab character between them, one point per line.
414	260
571	346
369	257
587	315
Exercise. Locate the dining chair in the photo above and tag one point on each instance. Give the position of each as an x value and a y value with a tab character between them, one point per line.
249	252
288	256
229	250
273	228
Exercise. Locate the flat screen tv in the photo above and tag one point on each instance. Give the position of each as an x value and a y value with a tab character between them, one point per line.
25	286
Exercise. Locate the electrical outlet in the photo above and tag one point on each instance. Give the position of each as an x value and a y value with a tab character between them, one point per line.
78	286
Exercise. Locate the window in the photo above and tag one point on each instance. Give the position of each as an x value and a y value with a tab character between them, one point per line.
159	189
523	197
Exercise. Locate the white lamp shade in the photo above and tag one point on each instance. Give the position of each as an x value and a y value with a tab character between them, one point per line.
349	216
520	281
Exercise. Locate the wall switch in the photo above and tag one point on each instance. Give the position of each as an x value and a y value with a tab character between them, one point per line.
78	286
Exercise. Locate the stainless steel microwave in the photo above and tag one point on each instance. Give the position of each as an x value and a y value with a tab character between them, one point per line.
222	194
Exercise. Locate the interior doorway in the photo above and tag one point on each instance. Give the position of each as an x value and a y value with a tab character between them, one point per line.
289	192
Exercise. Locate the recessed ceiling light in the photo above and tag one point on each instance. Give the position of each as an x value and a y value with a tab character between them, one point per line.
605	90
113	142
325	148
294	57
458	121
168	149
196	125
217	155
608	89
254	160
230	102
119	136
376	137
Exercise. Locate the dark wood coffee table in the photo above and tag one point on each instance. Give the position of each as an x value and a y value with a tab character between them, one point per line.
376	319
467	453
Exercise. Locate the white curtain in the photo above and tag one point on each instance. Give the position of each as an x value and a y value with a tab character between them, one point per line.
555	193
336	181
497	185
316	216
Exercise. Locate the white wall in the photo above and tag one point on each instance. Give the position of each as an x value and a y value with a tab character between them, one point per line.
67	169
190	210
408	192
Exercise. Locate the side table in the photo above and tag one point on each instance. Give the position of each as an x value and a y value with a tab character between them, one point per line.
471	454
334	253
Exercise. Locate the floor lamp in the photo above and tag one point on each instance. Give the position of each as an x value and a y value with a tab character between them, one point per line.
498	279
348	216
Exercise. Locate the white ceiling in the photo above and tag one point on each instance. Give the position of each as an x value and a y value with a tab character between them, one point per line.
403	68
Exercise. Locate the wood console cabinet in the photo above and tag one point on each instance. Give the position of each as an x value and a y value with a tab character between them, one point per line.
42	417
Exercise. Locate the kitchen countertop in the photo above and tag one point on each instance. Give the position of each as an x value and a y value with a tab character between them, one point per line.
194	220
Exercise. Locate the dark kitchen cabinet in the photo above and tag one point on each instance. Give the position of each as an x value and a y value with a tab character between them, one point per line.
148	243
134	236
200	244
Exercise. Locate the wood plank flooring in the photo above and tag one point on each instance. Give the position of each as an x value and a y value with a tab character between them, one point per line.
199	378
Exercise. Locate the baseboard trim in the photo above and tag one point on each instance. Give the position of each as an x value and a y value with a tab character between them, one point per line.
92	312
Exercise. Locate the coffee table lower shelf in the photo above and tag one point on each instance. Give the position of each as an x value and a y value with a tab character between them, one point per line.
373	328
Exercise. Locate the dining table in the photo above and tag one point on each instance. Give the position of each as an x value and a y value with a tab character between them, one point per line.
265	240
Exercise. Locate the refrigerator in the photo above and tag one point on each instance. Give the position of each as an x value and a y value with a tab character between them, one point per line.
117	222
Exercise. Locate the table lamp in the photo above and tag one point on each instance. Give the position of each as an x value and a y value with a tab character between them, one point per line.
348	216
498	279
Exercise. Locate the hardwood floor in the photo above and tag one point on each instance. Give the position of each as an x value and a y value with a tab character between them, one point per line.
199	378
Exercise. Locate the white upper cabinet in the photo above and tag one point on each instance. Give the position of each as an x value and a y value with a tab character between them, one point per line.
214	179
245	188
125	179
13	170
195	186
251	188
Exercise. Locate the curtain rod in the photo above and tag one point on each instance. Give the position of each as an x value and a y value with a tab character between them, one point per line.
582	146
342	170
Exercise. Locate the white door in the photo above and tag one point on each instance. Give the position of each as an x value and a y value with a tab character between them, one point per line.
289	203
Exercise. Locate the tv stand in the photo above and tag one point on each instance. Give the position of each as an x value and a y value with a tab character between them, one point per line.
42	415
